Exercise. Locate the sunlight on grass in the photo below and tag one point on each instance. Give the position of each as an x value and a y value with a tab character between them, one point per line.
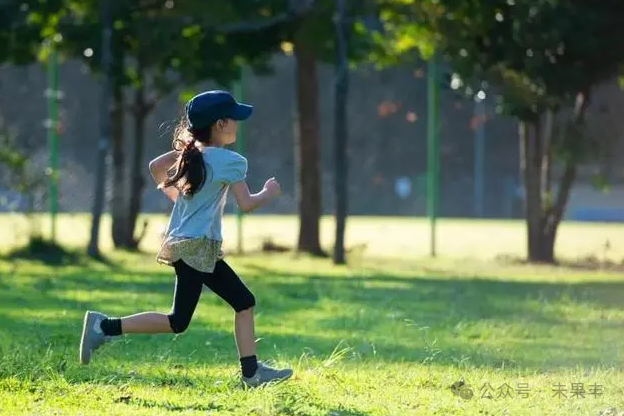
381	336
388	237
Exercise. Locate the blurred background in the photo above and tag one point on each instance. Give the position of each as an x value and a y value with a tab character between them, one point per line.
461	128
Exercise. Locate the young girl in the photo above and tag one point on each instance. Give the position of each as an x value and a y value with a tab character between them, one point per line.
196	175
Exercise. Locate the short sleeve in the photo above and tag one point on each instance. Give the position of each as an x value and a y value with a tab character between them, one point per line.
234	168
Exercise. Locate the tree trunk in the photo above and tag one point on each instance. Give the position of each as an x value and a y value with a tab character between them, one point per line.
103	143
119	202
552	217
307	151
554	214
544	215
546	248
530	139
340	136
141	111
547	154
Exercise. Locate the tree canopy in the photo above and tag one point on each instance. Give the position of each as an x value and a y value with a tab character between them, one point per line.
534	54
535	57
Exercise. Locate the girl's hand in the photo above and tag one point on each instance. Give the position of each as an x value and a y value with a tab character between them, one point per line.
272	188
248	202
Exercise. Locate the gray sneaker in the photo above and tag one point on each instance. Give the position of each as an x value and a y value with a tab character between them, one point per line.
92	335
265	374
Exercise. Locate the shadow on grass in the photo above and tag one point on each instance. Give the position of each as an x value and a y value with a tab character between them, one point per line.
46	252
587	263
388	304
50	253
473	296
169	406
422	288
54	342
288	402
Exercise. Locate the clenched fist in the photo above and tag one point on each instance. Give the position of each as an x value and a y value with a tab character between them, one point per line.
272	187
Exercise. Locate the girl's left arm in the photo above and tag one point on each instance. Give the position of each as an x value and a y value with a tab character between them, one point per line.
158	168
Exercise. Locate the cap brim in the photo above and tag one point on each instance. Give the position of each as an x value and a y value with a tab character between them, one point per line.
241	112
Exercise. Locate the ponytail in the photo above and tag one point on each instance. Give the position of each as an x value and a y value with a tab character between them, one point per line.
188	173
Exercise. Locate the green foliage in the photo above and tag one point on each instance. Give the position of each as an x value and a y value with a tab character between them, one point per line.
24	26
535	54
177	42
599	182
171	41
18	175
318	29
14	164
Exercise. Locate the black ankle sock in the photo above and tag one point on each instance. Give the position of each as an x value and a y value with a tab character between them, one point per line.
249	365
111	326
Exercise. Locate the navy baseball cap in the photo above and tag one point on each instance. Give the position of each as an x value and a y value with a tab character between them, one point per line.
206	108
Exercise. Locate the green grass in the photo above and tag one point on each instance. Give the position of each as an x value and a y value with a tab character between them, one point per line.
387	335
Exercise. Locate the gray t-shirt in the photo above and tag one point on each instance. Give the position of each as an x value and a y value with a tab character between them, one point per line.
200	214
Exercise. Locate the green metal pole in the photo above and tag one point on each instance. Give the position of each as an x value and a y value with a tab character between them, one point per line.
433	146
52	133
240	148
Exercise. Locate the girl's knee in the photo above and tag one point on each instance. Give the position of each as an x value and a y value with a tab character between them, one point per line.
245	303
245	312
178	322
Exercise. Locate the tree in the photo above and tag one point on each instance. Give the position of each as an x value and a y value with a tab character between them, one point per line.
307	148
341	131
540	58
156	48
313	39
93	248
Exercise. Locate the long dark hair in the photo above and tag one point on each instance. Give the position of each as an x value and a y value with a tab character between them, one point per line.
188	173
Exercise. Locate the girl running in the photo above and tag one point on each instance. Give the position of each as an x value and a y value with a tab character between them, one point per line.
196	176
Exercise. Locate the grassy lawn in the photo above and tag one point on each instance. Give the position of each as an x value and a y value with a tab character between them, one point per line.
387	237
388	335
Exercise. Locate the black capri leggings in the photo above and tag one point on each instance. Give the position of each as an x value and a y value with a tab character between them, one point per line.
223	281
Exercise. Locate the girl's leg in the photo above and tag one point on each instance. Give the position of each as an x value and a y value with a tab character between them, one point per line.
226	284
244	332
146	323
97	327
185	298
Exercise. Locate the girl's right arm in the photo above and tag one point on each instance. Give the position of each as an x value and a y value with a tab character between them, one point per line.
248	202
158	168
